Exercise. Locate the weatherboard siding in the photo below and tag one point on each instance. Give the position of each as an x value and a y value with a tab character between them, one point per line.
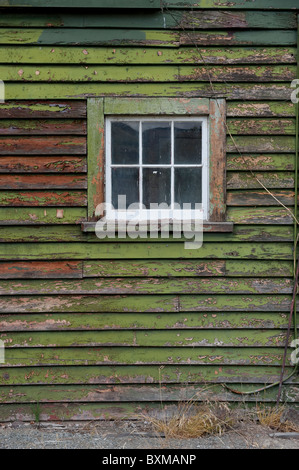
96	328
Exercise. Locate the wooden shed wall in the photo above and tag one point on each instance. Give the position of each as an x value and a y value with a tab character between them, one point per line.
97	329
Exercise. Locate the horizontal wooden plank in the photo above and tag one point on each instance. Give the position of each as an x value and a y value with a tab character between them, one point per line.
148	73
172	19
263	162
78	4
147	250
33	215
260	198
260	215
162	338
246	180
43	164
41	269
246	126
260	109
79	402
260	5
132	55
60	145
190	268
150	285
142	374
29	181
42	109
43	198
76	356
145	303
233	91
146	321
63	233
248	144
42	233
42	127
143	37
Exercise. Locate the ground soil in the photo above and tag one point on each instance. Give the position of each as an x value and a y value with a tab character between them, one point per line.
132	435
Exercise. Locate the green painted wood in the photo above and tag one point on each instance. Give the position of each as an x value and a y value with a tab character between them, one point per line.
155	355
150	285
146	321
248	144
190	268
31	181
42	233
146	338
260	198
145	303
33	215
64	233
263	162
141	37
142	374
246	126
242	180
14	54
260	109
108	250
42	198
148	73
42	109
260	215
233	91
133	393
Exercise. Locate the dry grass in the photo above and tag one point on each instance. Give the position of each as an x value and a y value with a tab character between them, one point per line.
196	420
272	417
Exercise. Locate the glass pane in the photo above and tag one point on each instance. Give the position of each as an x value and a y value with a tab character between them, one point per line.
125	142
156	186
187	142
156	142
125	181
188	186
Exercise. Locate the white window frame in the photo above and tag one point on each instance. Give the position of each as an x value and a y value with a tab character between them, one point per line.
151	214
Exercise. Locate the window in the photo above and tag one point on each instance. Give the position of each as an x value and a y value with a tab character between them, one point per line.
155	150
156	161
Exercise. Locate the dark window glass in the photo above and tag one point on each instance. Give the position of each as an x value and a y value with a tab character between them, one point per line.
188	186
125	143
156	186
187	142
156	142
125	181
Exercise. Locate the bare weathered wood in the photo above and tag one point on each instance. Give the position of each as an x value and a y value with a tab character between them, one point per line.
30	181
41	269
43	109
42	127
97	286
43	164
260	198
43	198
64	145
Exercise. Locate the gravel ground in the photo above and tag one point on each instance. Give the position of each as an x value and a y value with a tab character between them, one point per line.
130	435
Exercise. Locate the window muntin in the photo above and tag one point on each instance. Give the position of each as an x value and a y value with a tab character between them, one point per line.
157	160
